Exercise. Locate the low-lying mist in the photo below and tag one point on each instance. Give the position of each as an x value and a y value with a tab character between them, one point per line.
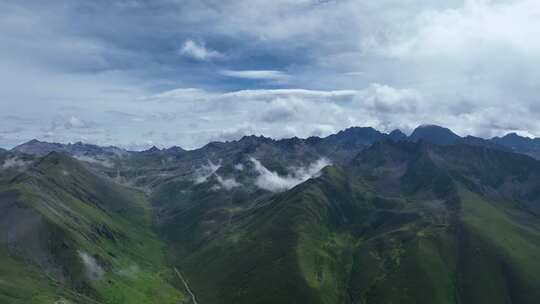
274	182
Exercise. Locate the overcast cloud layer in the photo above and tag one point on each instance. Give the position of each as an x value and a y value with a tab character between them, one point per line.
135	73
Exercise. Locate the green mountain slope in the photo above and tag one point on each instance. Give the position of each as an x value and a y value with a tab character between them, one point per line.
66	233
403	223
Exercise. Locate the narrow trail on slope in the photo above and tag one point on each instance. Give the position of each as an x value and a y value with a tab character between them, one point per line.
186	285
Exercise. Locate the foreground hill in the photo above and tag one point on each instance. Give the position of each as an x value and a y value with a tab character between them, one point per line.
404	223
67	234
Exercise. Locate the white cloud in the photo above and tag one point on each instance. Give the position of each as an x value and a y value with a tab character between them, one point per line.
180	94
272	181
269	95
232	133
103	162
257	74
75	122
199	51
386	99
204	172
227	183
93	270
205	116
14	162
476	28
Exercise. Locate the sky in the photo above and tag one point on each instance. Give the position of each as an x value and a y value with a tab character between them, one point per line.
137	73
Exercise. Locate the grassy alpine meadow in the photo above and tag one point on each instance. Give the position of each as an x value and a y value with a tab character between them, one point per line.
370	233
402	222
97	240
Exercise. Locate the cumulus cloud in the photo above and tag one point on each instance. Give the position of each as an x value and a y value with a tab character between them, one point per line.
234	133
198	51
280	113
272	181
284	110
385	99
477	27
75	122
69	122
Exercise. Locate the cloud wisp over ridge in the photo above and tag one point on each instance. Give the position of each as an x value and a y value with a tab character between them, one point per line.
272	181
208	171
205	171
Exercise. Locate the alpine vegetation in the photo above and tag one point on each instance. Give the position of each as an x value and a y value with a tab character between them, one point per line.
360	210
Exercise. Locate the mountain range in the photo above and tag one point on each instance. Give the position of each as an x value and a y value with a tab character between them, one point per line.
354	137
360	216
